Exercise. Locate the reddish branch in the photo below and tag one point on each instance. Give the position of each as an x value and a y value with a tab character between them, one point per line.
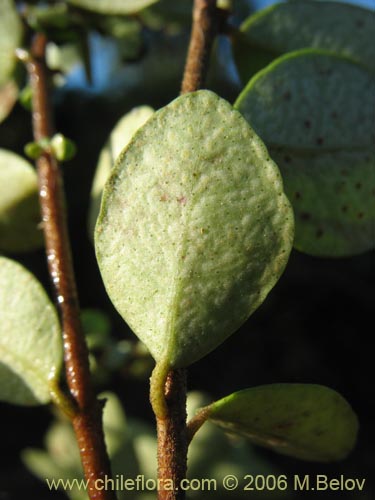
172	431
204	29
87	420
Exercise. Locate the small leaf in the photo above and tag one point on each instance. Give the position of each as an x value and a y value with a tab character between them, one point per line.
194	228
8	98
166	12
120	136
295	25
310	422
33	150
30	339
25	97
19	205
63	148
10	38
113	6
322	140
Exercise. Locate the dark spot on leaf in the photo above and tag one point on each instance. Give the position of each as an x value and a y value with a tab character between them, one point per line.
319	233
344	208
325	71
307	123
340	186
163	197
319	141
360	215
358	185
284	425
305	216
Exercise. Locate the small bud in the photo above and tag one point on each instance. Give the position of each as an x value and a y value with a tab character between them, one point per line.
33	150
25	97
63	148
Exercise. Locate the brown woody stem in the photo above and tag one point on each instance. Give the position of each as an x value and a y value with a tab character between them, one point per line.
172	438
170	413
204	29
87	419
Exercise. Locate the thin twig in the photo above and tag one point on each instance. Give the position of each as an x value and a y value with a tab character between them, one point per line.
196	422
87	421
203	32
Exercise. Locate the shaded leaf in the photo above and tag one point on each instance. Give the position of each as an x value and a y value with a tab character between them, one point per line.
215	454
113	6
315	112
30	341
10	38
194	228
118	139
333	198
8	98
310	422
168	12
19	205
344	29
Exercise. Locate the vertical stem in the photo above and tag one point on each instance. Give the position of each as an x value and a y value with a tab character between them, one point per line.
87	421
172	438
171	425
204	30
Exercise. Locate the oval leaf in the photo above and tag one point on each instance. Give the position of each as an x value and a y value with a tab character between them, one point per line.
305	421
120	136
8	98
10	38
30	340
194	228
113	6
295	25
19	205
322	140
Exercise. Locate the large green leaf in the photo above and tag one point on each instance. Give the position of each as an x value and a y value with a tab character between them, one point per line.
194	228
344	29
19	205
311	422
10	38
316	114
120	136
30	339
113	6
